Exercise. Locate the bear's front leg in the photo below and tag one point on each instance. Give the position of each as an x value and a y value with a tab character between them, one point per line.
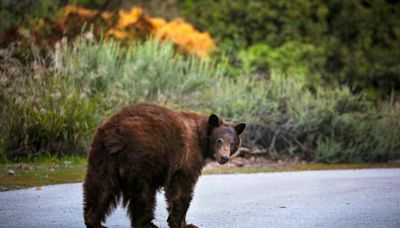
179	193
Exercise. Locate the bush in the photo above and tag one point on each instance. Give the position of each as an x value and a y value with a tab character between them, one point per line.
41	112
358	39
353	43
327	125
52	106
360	137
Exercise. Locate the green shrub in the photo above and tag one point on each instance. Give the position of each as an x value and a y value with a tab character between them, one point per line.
326	125
42	113
360	137
359	38
287	59
52	107
140	72
353	43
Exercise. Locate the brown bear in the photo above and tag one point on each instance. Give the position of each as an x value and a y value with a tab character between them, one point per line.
144	148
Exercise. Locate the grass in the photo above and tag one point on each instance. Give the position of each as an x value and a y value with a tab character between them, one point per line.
26	178
47	161
45	170
49	172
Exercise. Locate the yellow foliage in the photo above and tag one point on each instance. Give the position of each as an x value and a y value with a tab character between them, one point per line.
185	36
71	9
157	22
82	12
136	24
129	18
120	35
106	15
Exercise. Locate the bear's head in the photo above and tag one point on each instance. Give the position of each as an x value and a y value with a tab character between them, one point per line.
224	139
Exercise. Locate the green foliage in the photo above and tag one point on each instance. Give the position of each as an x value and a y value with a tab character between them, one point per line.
16	13
141	72
353	43
42	113
240	24
329	126
288	59
359	137
52	107
358	39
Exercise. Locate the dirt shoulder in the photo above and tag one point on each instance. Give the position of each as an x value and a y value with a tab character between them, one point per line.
26	175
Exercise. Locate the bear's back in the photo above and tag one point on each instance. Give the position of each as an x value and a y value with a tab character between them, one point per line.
146	125
145	136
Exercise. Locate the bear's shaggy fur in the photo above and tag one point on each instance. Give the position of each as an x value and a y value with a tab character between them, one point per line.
145	147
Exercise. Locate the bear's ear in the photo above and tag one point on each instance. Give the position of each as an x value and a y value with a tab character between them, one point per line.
240	128
213	121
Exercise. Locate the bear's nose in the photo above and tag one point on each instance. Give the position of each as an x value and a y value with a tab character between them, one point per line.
224	160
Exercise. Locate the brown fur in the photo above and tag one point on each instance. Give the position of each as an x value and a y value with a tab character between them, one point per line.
144	148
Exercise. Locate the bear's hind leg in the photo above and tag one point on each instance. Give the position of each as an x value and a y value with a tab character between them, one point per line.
141	206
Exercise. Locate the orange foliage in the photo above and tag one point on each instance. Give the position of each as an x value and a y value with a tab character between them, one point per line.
184	35
71	9
129	18
136	24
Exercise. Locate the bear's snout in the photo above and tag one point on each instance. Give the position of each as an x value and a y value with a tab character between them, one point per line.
223	160
223	150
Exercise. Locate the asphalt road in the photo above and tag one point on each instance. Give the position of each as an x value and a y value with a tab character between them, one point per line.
347	198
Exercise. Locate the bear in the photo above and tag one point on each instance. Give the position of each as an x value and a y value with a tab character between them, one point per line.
144	148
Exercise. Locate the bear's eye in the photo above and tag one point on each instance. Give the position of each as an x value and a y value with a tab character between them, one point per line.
220	142
232	145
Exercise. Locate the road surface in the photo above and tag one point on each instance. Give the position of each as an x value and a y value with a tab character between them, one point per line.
344	198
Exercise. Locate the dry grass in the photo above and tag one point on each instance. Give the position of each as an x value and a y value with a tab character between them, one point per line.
300	167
